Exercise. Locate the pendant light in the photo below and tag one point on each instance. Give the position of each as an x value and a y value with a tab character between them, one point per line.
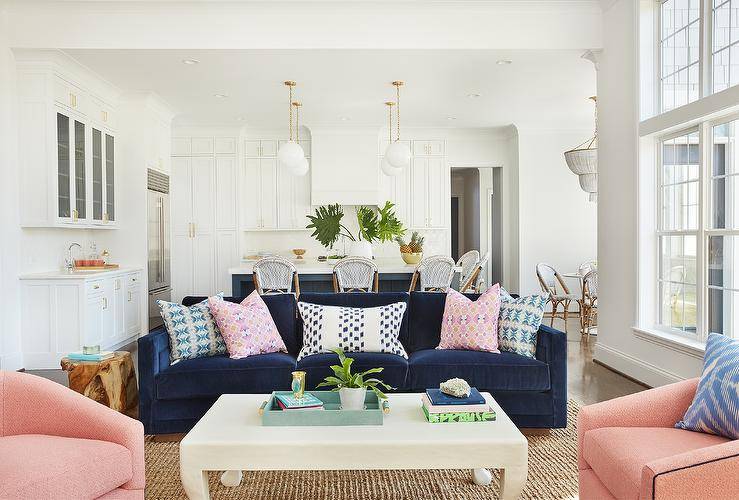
291	153
583	161
397	154
302	166
386	168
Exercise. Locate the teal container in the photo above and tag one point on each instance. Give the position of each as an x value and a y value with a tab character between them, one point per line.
373	413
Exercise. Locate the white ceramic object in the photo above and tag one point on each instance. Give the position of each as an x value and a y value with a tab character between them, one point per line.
291	154
231	437
352	398
361	249
398	154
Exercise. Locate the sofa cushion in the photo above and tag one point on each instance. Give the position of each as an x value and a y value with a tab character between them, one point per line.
211	377
618	454
282	308
37	466
318	366
360	299
485	370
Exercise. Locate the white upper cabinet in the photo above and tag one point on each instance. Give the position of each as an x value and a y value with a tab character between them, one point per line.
202	146
428	148
226	145
181	146
66	150
226	175
258	193
429	178
260	147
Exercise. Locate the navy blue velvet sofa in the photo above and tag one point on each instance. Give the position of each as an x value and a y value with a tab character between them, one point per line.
533	392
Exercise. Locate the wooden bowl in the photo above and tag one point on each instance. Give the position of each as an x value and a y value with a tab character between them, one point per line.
299	252
412	258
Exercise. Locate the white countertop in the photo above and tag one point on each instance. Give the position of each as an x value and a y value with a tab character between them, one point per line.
385	265
64	274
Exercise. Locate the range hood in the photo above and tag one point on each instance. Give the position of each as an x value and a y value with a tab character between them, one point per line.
344	166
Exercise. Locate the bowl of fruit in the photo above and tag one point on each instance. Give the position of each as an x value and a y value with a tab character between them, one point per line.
412	252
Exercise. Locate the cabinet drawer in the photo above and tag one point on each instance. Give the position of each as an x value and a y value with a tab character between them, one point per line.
69	95
96	287
133	280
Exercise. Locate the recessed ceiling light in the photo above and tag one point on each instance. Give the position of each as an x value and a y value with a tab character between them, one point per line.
503	62
220	96
451	117
344	118
473	95
190	62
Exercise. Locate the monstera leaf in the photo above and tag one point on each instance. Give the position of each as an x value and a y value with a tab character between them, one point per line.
327	226
367	221
389	227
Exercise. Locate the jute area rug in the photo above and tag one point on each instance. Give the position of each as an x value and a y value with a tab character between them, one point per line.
552	475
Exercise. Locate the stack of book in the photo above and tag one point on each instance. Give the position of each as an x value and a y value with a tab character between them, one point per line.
79	356
442	408
291	403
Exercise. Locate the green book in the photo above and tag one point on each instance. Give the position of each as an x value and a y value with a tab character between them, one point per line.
442	418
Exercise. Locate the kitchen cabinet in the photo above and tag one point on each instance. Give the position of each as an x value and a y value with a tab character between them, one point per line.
428	148
226	257
428	179
293	200
181	146
66	151
260	148
226	184
202	145
61	312
225	145
396	189
259	193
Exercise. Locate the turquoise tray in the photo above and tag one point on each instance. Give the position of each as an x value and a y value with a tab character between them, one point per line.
273	415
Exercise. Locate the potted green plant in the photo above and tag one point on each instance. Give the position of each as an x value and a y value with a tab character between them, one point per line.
374	224
353	387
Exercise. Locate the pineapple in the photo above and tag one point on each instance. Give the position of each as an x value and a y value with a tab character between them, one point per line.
404	247
416	243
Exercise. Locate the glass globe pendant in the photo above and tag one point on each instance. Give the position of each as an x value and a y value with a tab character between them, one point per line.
291	153
397	154
385	166
300	167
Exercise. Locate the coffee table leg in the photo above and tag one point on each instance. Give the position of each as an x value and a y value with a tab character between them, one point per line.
231	478
195	483
481	477
512	481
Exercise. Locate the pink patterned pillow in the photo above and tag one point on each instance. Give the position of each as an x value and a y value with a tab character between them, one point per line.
247	328
471	325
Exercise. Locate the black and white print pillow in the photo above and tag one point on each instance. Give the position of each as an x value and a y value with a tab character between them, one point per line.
352	329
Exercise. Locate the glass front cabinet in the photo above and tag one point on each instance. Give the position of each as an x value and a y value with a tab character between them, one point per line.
103	177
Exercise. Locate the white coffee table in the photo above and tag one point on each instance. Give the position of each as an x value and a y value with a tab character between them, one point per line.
230	438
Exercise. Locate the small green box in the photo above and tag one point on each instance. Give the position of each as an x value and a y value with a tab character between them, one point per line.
273	415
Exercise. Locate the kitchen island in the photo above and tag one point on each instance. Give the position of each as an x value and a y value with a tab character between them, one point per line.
394	275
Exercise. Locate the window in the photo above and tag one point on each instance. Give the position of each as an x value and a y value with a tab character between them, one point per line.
679	46
678	229
725	47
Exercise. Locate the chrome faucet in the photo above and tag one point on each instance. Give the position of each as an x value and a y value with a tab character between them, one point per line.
70	261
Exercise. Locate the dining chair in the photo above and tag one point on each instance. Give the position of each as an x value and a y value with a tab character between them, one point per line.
467	262
586	267
589	302
434	274
355	274
275	275
555	287
475	280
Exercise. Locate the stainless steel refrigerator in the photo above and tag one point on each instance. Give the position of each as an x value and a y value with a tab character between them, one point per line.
160	282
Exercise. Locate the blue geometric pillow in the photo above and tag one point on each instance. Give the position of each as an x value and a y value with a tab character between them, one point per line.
193	332
518	323
715	407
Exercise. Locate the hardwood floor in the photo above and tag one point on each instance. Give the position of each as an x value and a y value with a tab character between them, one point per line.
587	381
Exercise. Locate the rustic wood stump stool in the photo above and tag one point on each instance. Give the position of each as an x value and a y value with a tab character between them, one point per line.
111	382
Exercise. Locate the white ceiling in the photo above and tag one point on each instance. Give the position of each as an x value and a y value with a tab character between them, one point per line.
540	89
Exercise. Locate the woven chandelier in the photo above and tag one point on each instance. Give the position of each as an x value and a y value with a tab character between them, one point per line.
583	162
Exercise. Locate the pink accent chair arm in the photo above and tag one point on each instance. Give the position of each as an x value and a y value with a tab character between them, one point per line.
711	472
658	407
34	405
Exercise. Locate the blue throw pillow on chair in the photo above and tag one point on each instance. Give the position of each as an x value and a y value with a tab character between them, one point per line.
715	407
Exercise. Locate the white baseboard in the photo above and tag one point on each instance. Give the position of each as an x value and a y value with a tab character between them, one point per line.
638	369
11	362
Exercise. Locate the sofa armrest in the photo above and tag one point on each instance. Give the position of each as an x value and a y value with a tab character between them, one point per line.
711	472
34	405
153	358
551	348
659	407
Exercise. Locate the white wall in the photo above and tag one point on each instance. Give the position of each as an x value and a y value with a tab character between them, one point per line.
618	98
557	223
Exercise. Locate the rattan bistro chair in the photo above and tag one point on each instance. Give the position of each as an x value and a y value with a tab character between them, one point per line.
586	267
554	286
589	304
467	263
275	275
475	279
356	274
434	273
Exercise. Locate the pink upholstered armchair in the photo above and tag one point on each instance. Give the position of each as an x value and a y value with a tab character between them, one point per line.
628	448
58	444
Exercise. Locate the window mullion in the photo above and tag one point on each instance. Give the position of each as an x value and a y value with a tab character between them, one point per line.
704	173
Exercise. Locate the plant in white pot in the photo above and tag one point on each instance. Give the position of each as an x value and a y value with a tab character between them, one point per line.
374	224
352	387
